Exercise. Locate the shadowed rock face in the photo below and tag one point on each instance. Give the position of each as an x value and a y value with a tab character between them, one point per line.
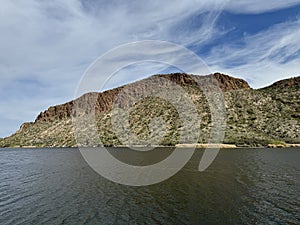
105	100
228	83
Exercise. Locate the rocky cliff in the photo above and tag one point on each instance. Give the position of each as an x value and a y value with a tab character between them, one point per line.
254	117
106	99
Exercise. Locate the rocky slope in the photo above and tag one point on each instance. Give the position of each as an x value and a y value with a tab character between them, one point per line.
106	99
254	117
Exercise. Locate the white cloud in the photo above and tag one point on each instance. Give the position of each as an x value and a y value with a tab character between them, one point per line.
265	57
258	6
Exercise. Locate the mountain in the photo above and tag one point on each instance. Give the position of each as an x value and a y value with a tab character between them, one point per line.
253	117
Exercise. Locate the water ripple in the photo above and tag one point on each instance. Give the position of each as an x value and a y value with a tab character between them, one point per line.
244	186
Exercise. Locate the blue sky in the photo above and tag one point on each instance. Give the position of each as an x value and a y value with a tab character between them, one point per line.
47	45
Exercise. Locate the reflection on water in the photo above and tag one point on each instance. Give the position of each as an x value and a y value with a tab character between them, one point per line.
243	186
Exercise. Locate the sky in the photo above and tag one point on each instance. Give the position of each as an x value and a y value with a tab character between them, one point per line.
46	46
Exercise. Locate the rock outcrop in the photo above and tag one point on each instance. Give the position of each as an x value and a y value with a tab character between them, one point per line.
103	101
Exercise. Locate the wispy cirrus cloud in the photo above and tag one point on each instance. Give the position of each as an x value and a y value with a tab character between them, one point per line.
257	6
264	57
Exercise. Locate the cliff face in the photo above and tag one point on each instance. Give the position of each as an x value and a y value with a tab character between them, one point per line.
106	99
228	83
254	117
58	112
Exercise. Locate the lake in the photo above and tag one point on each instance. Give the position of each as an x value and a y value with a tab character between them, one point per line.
242	186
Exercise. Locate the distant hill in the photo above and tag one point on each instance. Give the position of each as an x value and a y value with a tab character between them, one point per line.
254	117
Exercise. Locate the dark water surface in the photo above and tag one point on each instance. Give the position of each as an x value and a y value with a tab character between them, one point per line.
243	186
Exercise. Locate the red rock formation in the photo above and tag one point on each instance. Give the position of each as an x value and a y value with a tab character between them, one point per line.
103	102
228	83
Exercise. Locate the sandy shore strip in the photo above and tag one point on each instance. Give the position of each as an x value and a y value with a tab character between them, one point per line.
206	146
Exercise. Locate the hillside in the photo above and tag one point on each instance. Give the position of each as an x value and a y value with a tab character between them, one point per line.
254	117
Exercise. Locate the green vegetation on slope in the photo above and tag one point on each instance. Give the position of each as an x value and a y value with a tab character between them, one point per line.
254	118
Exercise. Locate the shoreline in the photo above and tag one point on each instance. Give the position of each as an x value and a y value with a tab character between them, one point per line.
197	146
206	146
283	145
